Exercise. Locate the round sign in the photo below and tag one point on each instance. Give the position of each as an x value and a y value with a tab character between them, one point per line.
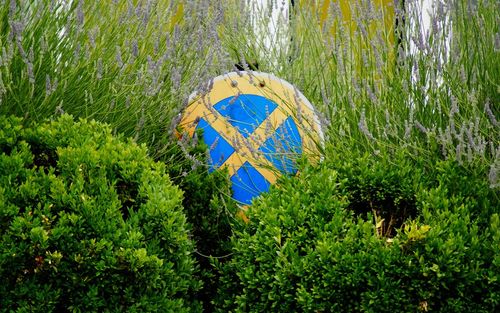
257	126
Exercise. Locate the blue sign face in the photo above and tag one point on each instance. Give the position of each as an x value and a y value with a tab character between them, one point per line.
245	113
256	126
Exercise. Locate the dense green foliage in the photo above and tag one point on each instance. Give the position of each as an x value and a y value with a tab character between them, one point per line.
306	250
89	222
401	216
209	208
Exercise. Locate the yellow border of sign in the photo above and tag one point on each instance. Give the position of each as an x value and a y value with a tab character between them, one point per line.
290	102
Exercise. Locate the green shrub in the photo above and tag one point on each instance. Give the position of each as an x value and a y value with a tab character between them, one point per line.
89	223
208	204
306	250
387	182
209	208
380	186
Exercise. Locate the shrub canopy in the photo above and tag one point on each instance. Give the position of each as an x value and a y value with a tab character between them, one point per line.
89	222
320	242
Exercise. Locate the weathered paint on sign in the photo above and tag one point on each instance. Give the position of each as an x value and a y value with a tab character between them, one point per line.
256	125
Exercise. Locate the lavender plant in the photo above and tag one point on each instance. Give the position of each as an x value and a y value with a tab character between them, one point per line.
133	65
130	64
429	86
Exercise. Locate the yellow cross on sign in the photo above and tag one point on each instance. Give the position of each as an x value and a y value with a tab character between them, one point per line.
256	125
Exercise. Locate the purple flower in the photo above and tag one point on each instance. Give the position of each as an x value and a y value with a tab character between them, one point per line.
363	127
490	114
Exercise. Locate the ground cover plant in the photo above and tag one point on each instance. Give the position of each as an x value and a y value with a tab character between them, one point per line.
89	223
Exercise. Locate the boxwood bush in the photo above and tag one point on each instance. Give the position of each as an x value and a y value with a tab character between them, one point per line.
314	243
211	212
89	223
